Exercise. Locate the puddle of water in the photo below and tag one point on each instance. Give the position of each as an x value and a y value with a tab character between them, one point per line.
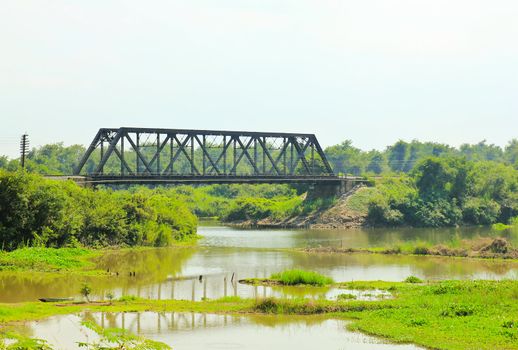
187	331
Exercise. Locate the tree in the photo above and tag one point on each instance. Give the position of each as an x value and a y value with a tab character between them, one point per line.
443	178
377	162
482	151
346	159
397	155
511	153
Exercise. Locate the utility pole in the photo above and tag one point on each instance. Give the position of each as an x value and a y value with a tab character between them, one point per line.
24	148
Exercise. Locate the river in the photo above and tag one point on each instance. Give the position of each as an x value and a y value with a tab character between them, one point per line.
227	254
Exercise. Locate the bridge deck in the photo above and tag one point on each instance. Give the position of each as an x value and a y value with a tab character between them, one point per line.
189	180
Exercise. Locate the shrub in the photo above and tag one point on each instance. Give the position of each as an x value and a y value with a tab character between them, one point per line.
480	211
380	212
295	277
421	250
85	291
38	212
510	324
458	310
345	296
418	322
500	227
413	279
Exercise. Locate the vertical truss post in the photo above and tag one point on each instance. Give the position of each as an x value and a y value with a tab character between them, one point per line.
192	154
291	156
264	155
171	160
122	154
102	152
284	154
158	153
255	156
234	166
225	155
137	158
312	158
203	154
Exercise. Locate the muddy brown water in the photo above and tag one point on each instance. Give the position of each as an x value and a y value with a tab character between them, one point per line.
225	255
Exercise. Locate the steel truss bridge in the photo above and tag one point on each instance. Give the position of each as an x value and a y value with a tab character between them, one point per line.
145	155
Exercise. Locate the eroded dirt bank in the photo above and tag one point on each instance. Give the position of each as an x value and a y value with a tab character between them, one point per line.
341	215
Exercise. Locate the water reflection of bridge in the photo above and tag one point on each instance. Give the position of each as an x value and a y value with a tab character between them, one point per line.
210	287
156	322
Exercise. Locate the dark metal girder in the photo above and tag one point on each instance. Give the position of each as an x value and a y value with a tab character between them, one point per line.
264	155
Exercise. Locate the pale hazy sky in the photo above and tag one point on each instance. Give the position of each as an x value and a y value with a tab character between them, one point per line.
373	71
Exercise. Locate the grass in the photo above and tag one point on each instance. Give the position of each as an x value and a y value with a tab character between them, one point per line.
447	315
301	277
480	247
440	315
46	259
359	201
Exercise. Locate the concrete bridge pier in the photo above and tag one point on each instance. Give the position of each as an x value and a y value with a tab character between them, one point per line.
332	189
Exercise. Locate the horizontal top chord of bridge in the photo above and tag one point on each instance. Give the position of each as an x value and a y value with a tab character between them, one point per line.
169	153
206	132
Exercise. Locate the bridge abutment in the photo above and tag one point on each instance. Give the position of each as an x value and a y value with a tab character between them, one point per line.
334	189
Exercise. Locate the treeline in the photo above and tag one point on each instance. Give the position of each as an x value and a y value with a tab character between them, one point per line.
446	191
344	158
403	156
422	184
39	212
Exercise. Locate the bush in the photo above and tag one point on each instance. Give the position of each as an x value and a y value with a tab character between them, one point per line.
436	213
251	208
480	211
85	291
413	279
295	277
458	310
38	212
380	212
421	251
345	296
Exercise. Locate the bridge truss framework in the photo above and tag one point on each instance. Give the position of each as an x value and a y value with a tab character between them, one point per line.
180	155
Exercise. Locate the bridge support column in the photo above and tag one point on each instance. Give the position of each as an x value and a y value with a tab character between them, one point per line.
335	189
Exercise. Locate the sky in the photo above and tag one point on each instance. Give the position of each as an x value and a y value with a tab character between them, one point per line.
372	71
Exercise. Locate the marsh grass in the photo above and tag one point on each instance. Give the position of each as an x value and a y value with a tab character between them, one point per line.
439	315
301	277
46	259
346	296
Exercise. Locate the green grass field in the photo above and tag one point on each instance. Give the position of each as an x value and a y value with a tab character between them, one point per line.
438	315
46	259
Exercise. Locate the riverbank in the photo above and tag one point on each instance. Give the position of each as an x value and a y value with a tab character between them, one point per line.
345	212
78	260
482	247
438	315
70	260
